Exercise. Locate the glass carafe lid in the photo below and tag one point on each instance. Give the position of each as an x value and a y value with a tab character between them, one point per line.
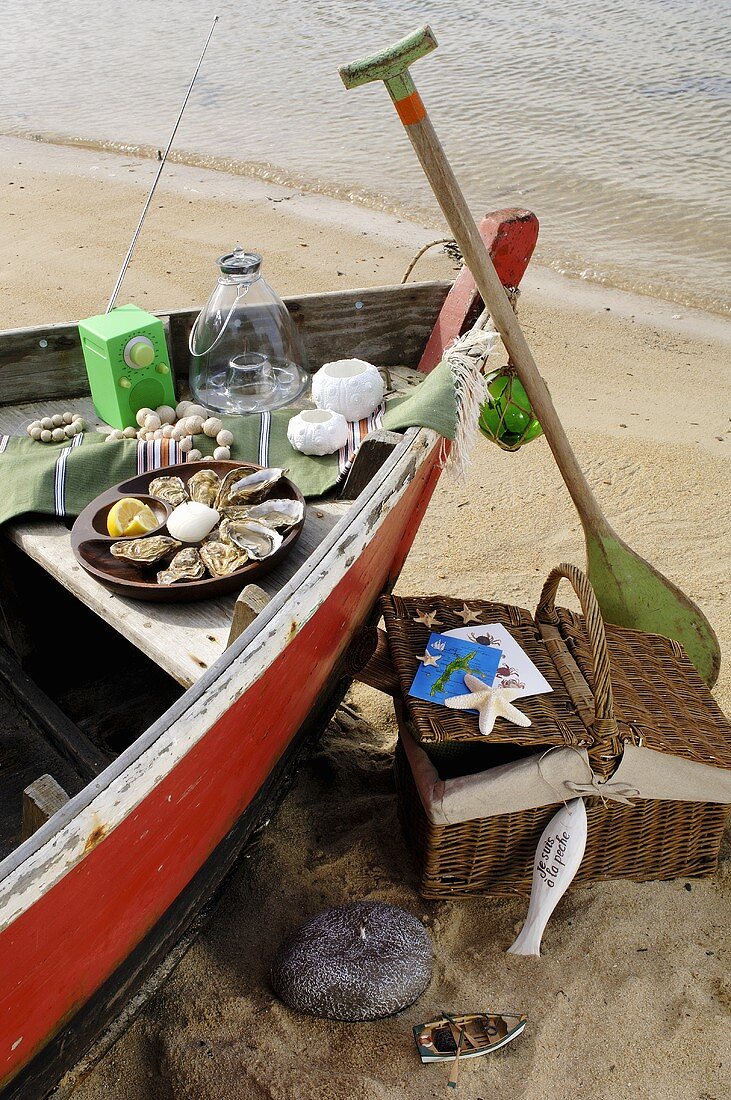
245	352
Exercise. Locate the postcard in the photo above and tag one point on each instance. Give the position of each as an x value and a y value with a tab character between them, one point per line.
446	660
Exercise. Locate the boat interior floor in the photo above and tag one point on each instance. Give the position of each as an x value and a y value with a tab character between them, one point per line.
84	672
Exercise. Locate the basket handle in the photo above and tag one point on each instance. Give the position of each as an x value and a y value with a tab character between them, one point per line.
605	726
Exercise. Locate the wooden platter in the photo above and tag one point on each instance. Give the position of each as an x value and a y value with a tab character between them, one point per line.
90	541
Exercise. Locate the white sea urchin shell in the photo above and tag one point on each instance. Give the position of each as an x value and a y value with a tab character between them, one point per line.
350	387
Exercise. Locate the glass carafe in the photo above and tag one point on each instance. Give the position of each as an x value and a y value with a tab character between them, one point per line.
245	352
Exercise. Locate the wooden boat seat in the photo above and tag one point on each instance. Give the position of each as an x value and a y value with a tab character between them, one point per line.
182	639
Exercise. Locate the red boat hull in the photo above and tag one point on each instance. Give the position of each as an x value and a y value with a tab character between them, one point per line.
66	946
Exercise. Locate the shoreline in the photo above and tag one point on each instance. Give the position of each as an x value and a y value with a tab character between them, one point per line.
322	203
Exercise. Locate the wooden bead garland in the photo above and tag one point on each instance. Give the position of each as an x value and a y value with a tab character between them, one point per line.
180	424
53	429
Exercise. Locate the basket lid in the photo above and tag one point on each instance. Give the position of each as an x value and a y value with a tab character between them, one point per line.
554	716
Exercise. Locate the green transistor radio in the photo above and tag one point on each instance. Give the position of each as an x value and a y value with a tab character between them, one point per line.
127	363
125	352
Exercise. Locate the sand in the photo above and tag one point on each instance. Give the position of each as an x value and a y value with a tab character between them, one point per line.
631	996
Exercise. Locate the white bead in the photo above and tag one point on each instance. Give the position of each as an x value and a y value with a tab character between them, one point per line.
177	433
36	433
58	434
186	444
224	438
157	434
212	426
69	431
166	414
222	454
68	418
197	410
181	408
57	419
33	424
79	423
46	435
142	415
194	456
75	417
130	433
167	431
152	422
194	425
47	423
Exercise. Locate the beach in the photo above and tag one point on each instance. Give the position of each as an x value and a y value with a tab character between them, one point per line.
630	997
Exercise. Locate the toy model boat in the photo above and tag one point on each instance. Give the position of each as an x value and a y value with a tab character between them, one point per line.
471	1036
156	738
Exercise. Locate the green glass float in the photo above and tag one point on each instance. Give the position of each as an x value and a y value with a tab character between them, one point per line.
507	418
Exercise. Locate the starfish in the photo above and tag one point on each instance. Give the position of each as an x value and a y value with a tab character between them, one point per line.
467	615
491	702
429	658
428	618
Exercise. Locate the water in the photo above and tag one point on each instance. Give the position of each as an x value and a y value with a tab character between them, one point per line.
610	119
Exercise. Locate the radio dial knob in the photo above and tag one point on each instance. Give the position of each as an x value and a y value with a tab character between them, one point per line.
139	352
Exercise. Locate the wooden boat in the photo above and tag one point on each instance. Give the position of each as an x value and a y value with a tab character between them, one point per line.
469	1036
159	736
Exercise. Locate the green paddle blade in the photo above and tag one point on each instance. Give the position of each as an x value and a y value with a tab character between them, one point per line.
631	593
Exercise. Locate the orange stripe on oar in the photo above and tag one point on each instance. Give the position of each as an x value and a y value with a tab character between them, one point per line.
411	109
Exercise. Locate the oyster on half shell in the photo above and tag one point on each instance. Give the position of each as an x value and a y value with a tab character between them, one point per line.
246	487
170	489
222	558
257	539
203	487
144	551
187	565
226	498
275	513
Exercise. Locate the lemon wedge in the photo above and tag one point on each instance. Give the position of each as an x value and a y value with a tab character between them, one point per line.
130	517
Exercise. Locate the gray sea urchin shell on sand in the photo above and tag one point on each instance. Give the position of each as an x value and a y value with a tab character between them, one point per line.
354	962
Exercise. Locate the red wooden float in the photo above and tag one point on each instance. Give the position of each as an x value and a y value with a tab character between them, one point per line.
94	901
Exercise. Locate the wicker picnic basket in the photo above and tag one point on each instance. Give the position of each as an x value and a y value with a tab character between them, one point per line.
612	688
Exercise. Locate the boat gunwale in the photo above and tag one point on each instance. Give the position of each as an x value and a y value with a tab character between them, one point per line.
193	311
393	479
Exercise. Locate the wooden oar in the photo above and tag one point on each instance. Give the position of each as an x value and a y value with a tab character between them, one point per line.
630	591
454	1073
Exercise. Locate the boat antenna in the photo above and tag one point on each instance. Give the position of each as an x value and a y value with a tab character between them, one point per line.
136	233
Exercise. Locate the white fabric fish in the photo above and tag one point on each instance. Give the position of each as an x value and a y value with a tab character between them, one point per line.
558	855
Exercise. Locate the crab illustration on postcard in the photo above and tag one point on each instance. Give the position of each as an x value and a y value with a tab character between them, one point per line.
487	651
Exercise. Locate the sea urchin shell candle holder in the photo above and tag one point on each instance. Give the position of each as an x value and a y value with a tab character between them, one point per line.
317	432
350	387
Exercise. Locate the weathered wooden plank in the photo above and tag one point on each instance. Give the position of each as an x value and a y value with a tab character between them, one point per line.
386	325
372	453
250	602
50	720
183	639
40	802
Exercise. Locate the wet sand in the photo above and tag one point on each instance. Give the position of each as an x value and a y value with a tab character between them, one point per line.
631	997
